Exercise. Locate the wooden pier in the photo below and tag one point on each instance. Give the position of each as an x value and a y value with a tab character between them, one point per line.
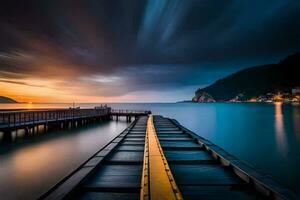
129	114
157	158
30	120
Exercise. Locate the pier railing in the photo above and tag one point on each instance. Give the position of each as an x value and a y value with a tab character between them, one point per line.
125	111
13	118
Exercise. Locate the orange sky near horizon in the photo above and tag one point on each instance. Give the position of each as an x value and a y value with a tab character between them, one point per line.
45	94
48	91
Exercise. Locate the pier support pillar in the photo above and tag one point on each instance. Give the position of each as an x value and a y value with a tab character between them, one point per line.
66	124
26	130
7	135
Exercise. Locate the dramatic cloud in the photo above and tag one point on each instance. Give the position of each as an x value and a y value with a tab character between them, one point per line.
96	50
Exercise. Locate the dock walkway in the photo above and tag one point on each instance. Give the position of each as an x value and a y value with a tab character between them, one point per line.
30	120
157	158
14	119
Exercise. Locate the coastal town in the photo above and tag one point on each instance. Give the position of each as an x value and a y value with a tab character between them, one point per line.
284	97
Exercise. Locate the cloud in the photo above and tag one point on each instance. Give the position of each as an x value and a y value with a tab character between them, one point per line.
110	48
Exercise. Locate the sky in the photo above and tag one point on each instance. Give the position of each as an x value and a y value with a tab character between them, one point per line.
136	50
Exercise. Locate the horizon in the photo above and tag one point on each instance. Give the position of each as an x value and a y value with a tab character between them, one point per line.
144	51
151	101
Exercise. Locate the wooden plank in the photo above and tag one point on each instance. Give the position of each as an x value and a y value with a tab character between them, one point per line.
219	192
192	155
93	162
140	139
108	196
127	156
130	147
116	176
203	174
181	144
103	153
133	142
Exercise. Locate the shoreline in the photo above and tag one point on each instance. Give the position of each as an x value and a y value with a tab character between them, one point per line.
298	102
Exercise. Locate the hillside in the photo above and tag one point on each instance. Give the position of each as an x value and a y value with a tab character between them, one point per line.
6	100
255	81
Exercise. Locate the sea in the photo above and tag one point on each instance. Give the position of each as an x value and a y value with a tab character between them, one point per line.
264	135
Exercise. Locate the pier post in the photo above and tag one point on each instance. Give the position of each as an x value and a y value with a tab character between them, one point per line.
26	131
65	124
7	135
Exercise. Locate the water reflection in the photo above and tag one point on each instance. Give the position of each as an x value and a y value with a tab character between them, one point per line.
296	120
279	128
36	164
19	135
24	165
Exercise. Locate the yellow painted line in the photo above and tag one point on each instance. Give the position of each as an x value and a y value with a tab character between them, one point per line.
157	179
144	194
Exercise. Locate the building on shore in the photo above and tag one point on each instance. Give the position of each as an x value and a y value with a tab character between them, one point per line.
296	91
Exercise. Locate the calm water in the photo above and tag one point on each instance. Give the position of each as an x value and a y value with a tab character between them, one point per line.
28	167
266	136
